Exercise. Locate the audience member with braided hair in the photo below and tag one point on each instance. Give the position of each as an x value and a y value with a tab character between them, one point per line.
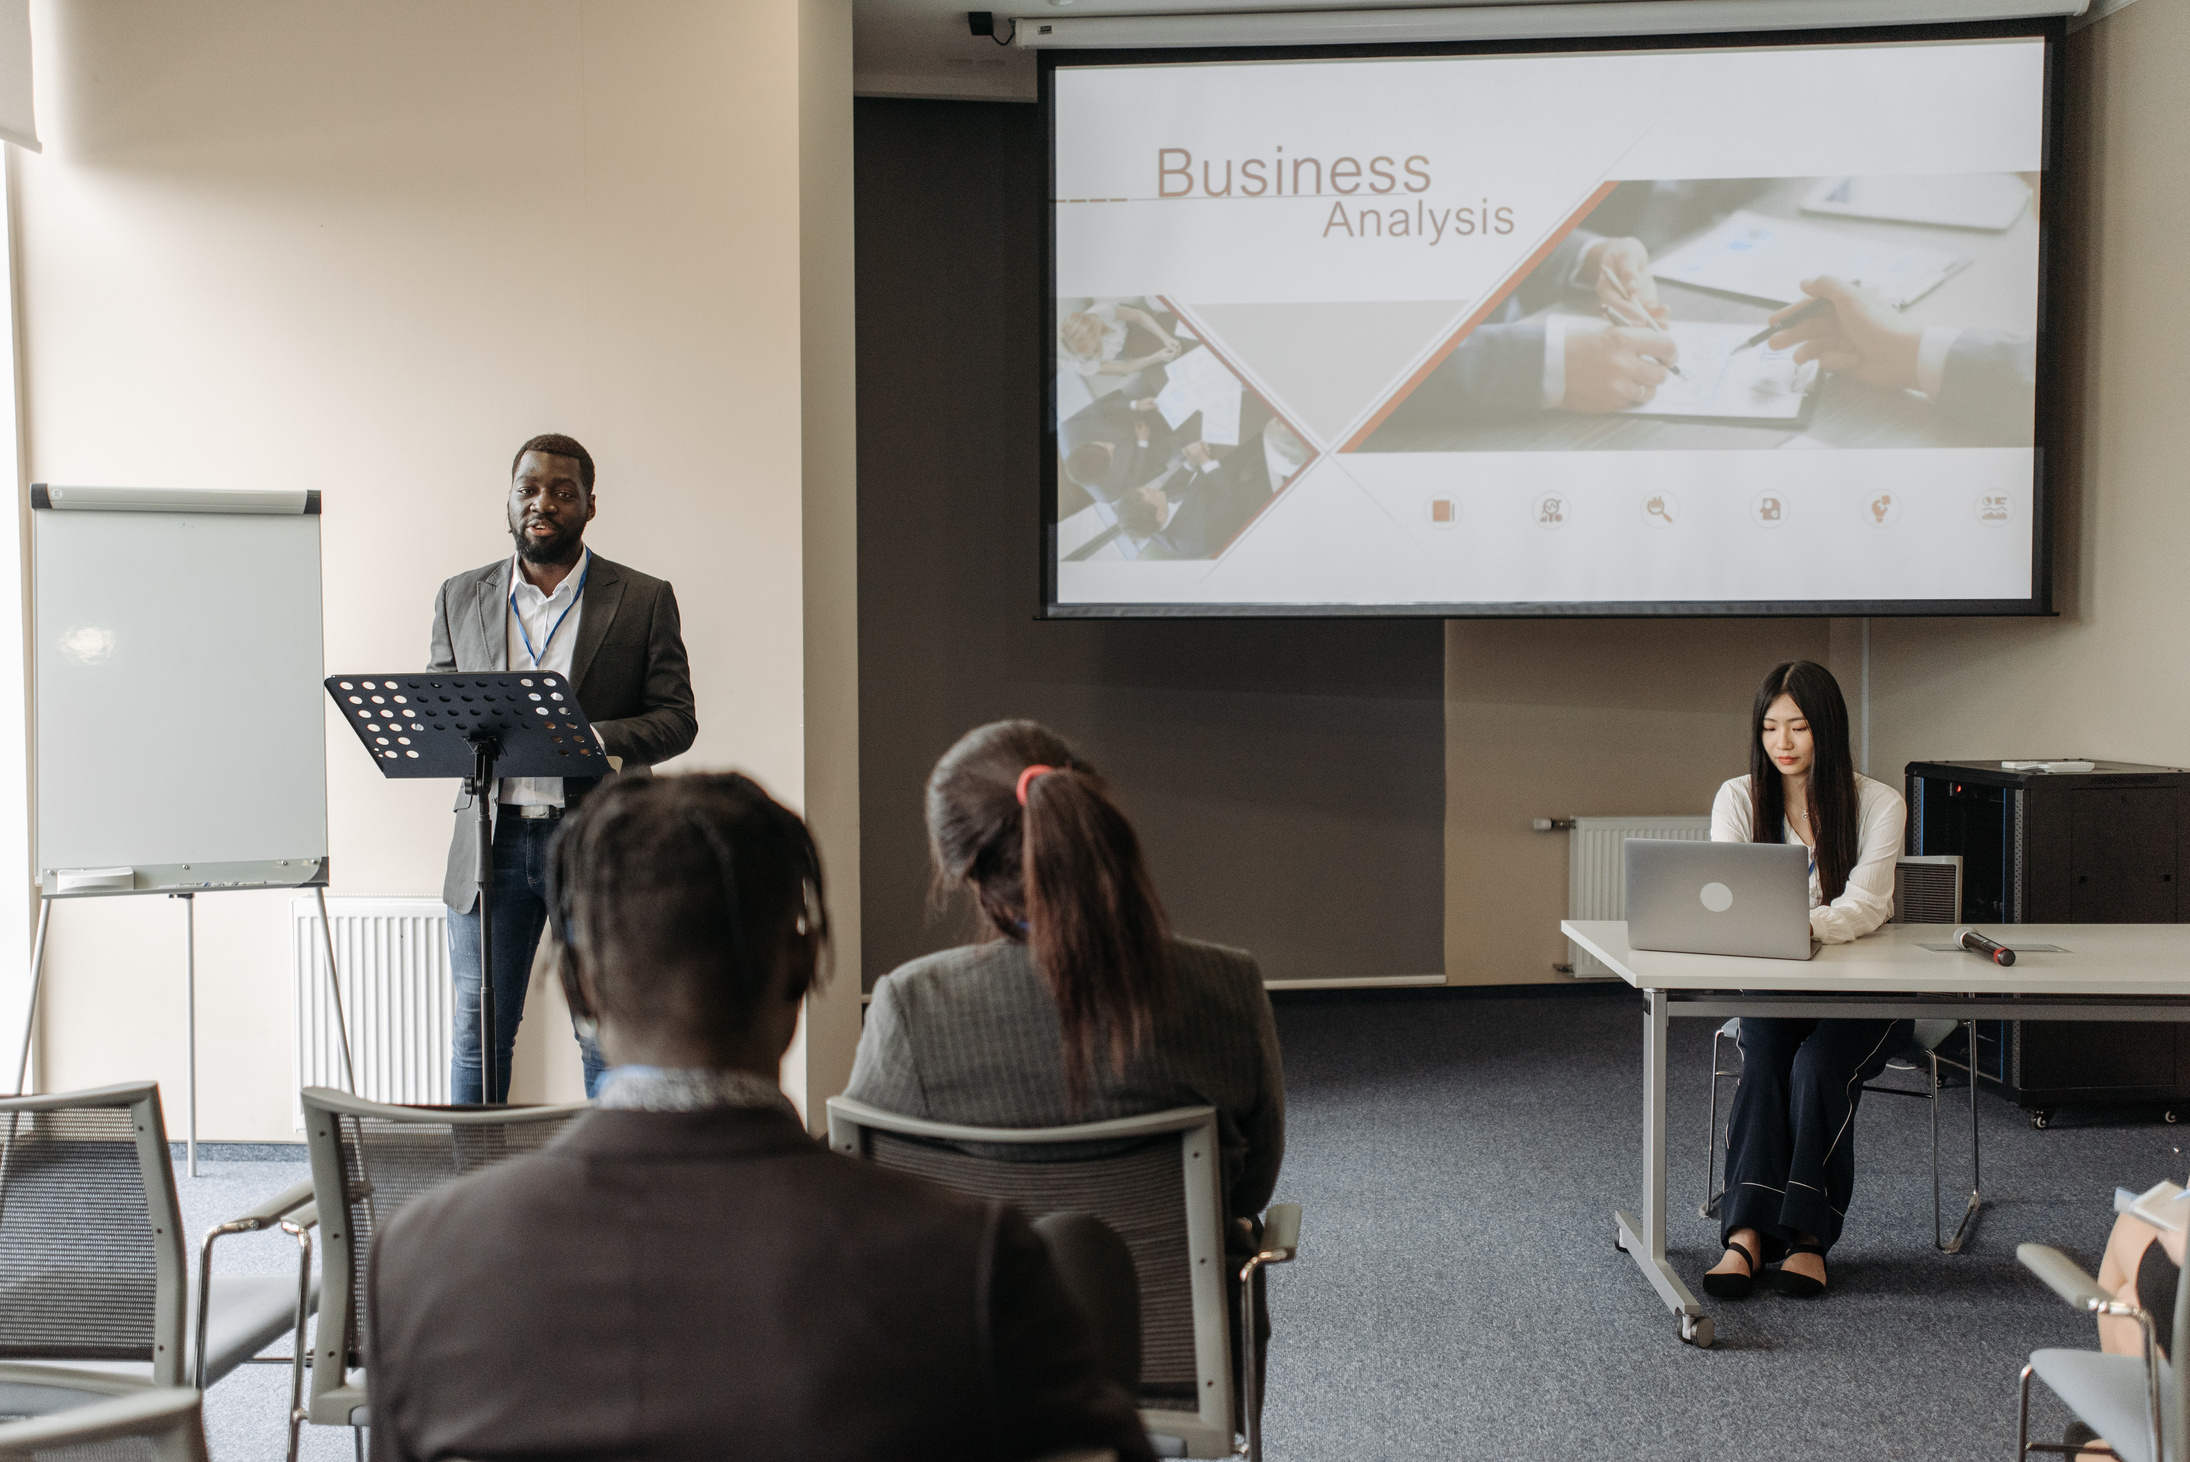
685	1273
1079	1004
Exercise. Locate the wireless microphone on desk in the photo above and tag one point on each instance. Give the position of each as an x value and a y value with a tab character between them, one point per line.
1977	943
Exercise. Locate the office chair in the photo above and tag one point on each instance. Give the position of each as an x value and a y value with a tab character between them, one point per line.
2135	1402
1154	1181
96	1418
91	1249
1927	890
368	1160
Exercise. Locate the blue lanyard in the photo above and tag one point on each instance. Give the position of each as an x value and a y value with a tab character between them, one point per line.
576	595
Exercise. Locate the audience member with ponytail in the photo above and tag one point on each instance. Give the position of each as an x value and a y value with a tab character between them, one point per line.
1079	1004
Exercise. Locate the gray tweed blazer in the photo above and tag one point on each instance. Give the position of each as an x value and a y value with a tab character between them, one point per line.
971	1035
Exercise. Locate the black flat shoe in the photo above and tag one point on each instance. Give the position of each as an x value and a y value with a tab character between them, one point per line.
1799	1286
1733	1286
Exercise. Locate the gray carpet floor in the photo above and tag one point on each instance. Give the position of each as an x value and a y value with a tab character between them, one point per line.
1458	1294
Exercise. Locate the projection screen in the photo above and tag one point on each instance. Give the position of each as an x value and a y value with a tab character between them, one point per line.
1690	329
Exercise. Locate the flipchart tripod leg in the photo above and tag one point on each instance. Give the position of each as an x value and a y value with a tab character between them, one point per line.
190	1037
334	991
30	1006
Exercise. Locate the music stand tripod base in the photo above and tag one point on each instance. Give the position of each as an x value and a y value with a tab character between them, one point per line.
478	726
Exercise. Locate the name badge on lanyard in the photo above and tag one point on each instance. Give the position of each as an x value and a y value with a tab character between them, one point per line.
553	629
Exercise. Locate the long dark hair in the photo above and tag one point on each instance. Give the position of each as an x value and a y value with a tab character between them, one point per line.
1833	805
1061	874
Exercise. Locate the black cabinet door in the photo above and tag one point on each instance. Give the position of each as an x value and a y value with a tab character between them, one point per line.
2122	855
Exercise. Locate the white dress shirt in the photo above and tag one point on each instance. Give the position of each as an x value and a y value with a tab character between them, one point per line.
1867	902
541	630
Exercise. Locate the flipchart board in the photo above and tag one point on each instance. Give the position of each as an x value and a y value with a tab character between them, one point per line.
176	662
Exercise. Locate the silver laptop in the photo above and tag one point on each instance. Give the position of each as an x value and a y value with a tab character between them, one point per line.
1719	898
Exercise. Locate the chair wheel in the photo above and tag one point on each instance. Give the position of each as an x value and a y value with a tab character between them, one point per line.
1616	1241
2169	1116
1696	1330
2041	1119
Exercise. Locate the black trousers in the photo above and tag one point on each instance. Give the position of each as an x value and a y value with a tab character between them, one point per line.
1790	1144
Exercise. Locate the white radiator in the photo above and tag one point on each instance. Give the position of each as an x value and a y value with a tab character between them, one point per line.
394	958
1596	880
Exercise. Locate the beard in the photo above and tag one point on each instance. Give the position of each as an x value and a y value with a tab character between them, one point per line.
562	548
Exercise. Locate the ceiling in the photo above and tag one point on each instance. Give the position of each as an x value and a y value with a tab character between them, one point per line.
923	48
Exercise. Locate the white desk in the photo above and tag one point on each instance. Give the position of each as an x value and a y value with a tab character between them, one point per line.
2107	972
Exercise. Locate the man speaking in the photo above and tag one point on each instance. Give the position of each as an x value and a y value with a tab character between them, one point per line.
612	632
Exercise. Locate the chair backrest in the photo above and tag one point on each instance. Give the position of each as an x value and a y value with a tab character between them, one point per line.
75	1416
1927	889
2176	1340
371	1158
91	1245
1153	1179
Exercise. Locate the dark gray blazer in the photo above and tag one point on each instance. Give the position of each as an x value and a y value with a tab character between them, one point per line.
971	1035
717	1285
628	664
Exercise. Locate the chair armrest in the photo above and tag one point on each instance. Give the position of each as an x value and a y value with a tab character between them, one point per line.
1280	1232
132	1415
2063	1277
272	1211
302	1219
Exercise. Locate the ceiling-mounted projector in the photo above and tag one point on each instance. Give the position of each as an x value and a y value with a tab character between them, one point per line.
1515	22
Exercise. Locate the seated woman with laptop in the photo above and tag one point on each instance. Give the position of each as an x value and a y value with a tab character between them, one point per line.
1790	1152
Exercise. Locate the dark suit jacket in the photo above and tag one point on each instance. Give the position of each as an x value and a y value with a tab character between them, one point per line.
1498	370
717	1285
1112	419
628	664
1988	391
1208	508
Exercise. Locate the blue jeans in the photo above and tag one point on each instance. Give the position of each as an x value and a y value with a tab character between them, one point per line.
519	899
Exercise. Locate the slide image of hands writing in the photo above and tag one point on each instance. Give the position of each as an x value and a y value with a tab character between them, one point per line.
1848	312
1163	451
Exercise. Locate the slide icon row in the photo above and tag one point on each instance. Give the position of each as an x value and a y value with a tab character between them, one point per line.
1661	510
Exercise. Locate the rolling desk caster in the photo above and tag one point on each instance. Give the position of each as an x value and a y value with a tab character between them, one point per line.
2042	1118
2170	1116
1696	1331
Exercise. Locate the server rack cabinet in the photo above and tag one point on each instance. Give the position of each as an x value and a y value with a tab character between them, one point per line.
2096	847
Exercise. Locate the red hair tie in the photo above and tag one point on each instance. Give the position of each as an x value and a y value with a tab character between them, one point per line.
1028	776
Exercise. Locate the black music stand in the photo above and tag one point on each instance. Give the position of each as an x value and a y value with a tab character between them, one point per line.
477	725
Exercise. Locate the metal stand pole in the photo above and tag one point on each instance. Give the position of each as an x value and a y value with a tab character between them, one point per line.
190	988
37	975
484	749
334	989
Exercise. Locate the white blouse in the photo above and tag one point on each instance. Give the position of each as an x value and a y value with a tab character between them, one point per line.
1867	902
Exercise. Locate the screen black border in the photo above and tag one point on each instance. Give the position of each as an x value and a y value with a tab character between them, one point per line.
2045	432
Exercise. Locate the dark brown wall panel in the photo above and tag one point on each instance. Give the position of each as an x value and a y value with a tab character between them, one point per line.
1287	776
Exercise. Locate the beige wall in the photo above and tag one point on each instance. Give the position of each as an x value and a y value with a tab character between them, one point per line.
368	249
820	1064
2107	678
1579	718
1553	719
